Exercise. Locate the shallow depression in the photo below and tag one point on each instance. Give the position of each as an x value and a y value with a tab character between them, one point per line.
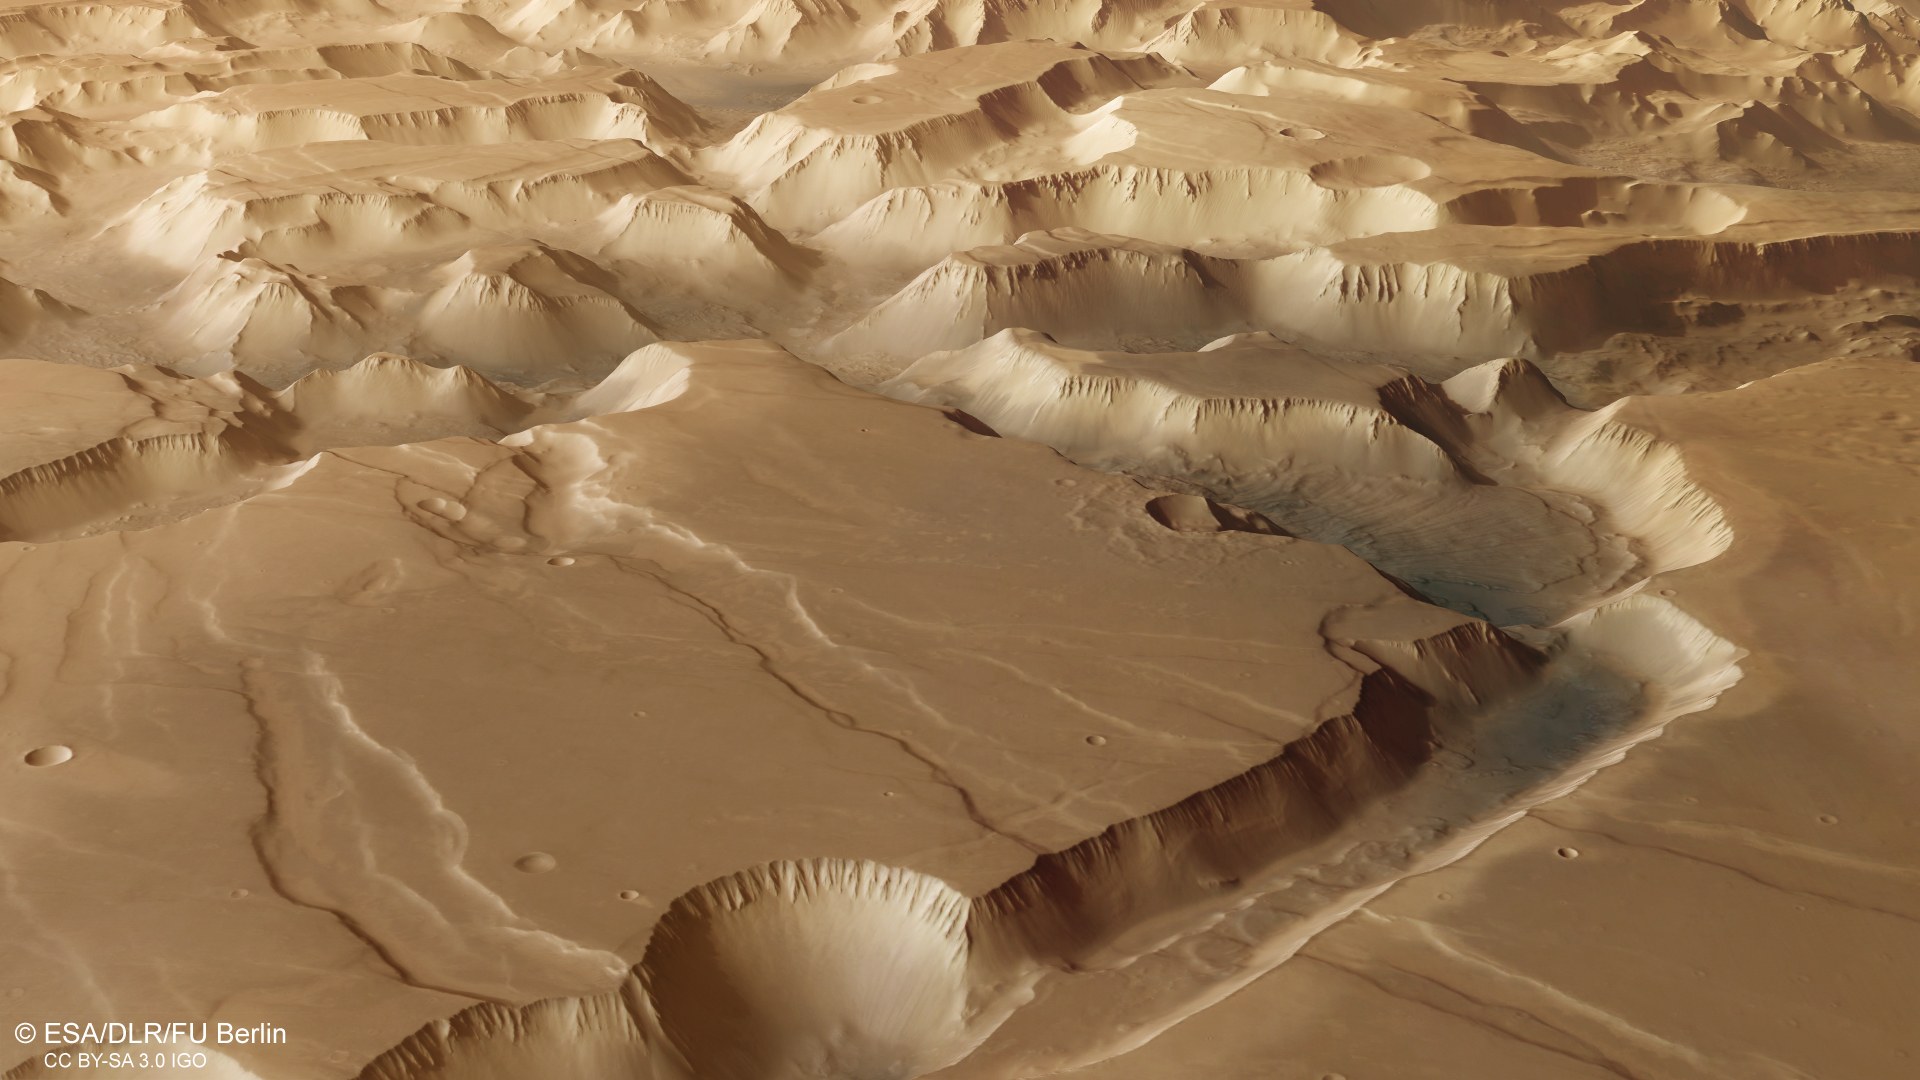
43	756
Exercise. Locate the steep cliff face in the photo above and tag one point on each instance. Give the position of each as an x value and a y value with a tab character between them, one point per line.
798	539
1486	491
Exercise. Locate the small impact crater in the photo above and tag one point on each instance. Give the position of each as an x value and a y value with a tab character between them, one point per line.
1199	514
40	757
535	862
1369	171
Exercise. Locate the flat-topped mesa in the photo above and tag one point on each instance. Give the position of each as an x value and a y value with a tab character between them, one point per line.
1076	285
1673	90
777	35
521	310
344	201
100	484
1676	287
1728	133
411	109
197	217
1199	206
1175	166
924	120
157	445
1446	100
37	30
86	85
1487	493
1109	292
148	439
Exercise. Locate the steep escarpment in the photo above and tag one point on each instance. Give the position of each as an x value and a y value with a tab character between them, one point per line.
1485	491
472	603
912	976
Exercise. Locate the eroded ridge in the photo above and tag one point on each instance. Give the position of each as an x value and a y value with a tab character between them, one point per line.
373	340
1486	492
1453	731
190	444
1664	195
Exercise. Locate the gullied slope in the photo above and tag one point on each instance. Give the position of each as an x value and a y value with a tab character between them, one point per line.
1666	196
907	977
1368	707
426	477
1486	491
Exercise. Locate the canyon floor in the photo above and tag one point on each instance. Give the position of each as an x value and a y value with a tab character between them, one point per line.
989	539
